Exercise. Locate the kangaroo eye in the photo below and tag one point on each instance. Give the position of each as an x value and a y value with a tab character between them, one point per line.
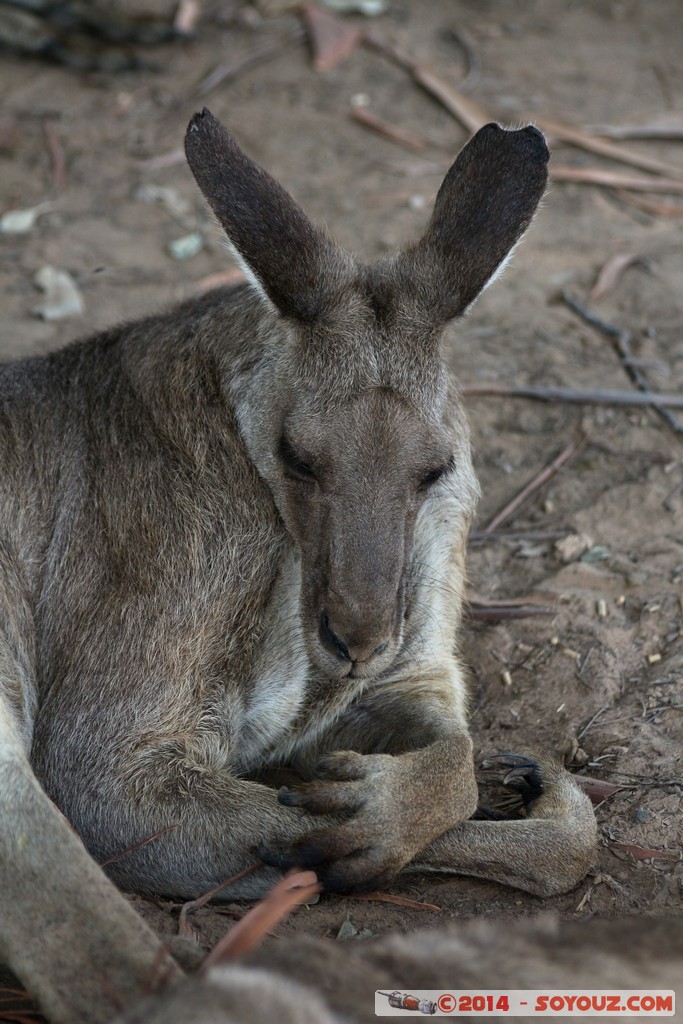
292	461
435	474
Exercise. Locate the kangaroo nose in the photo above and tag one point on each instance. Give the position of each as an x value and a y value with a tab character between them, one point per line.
346	651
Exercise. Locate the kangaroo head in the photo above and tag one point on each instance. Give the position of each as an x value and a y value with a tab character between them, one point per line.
348	412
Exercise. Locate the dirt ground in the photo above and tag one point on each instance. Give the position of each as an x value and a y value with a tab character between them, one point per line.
599	681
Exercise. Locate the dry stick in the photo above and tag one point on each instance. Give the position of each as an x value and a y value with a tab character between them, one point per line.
565	455
405	138
602	147
501	613
584	396
610	179
621	340
467	111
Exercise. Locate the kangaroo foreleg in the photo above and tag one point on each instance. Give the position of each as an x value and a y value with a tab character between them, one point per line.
547	852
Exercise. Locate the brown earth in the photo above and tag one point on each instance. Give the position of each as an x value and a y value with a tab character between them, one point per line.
601	684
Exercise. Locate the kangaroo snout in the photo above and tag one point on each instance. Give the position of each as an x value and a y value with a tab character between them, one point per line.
354	639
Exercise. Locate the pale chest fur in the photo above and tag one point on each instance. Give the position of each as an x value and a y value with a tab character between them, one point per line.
288	705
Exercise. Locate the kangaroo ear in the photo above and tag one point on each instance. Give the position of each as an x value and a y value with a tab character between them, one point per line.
296	265
483	208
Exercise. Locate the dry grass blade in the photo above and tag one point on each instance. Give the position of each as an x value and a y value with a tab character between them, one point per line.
295	888
512	506
611	272
583	396
610	179
404	138
184	926
138	846
260	54
388	897
602	147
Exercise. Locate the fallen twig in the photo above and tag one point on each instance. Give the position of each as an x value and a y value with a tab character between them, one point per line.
502	613
664	129
295	888
468	112
622	344
609	179
503	609
584	396
602	147
512	506
410	140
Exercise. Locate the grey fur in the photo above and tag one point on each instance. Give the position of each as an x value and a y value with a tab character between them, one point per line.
232	542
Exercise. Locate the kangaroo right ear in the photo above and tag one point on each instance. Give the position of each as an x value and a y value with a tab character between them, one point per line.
296	265
482	209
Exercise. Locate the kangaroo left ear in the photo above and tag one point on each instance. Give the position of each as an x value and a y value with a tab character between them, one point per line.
297	266
483	208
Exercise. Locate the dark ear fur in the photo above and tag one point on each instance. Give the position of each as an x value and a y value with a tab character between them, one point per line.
298	267
483	208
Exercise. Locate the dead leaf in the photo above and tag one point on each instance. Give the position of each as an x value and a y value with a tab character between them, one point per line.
642	852
332	40
597	790
295	888
611	272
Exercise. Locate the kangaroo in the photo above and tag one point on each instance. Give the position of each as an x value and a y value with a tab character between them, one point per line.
232	545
